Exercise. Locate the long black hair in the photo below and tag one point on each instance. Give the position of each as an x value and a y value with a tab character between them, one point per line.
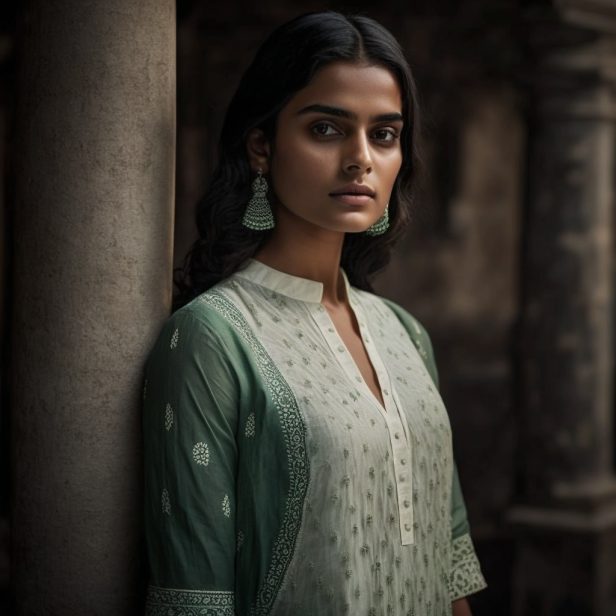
284	64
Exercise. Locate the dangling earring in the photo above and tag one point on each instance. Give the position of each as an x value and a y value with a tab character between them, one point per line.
381	225
258	214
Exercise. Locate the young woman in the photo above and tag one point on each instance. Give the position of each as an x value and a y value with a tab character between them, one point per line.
298	455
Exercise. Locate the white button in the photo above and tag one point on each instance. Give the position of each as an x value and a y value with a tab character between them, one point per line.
401	477
403	461
407	527
407	504
397	435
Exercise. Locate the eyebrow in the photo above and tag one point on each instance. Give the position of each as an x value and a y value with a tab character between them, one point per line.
343	113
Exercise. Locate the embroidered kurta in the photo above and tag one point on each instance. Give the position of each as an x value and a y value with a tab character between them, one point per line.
276	483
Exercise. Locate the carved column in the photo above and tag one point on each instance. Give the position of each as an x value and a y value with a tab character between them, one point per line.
566	516
92	285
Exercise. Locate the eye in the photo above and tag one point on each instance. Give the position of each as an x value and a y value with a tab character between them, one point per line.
387	135
321	130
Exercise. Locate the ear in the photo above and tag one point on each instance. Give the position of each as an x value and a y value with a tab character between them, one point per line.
258	149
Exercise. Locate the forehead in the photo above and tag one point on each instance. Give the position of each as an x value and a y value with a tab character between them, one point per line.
365	90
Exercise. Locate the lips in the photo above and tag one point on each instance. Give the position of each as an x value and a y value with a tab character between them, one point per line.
354	189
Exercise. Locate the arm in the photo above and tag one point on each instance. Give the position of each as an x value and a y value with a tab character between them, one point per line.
190	455
460	607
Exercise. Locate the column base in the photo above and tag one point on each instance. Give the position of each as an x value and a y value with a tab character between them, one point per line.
565	561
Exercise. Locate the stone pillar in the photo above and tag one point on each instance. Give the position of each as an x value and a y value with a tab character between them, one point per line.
92	286
565	519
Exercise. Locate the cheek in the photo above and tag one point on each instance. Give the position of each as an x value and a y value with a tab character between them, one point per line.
391	166
302	162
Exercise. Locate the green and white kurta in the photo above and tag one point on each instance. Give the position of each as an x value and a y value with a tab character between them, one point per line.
276	483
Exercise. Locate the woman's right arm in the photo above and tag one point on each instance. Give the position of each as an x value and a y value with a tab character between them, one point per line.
190	456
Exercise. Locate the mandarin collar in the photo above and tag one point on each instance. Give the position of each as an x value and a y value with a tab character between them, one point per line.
286	284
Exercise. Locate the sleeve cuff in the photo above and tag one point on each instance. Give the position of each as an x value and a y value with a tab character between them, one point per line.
164	601
466	577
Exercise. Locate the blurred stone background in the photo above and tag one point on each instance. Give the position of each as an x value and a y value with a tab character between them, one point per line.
509	264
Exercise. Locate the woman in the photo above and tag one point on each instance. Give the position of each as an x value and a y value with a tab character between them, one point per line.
298	455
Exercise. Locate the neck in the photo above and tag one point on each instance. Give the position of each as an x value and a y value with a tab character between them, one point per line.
307	252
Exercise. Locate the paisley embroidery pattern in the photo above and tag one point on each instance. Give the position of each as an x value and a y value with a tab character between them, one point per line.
250	425
166	502
166	601
226	506
168	417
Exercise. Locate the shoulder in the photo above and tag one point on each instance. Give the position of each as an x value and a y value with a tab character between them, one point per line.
196	327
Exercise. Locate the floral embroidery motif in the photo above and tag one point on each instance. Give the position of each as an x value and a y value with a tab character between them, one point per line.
250	425
255	314
166	502
226	506
279	299
201	454
168	417
164	601
174	338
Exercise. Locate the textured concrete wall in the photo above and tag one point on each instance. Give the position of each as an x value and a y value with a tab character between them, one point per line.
94	218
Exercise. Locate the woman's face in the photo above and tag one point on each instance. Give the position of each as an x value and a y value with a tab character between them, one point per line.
342	129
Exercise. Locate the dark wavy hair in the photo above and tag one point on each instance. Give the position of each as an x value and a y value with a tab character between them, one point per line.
284	64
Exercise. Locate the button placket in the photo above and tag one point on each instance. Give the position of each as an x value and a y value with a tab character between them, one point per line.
398	430
403	476
402	456
399	434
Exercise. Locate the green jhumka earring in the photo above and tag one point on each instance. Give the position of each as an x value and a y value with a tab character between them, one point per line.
258	214
381	225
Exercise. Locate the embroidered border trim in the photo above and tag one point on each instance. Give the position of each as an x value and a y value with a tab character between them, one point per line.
294	432
165	601
466	577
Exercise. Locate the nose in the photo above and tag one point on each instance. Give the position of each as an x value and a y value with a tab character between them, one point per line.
357	155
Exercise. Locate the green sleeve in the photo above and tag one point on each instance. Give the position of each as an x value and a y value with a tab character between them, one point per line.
190	403
465	575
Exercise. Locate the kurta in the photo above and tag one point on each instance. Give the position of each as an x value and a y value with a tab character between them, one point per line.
275	481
